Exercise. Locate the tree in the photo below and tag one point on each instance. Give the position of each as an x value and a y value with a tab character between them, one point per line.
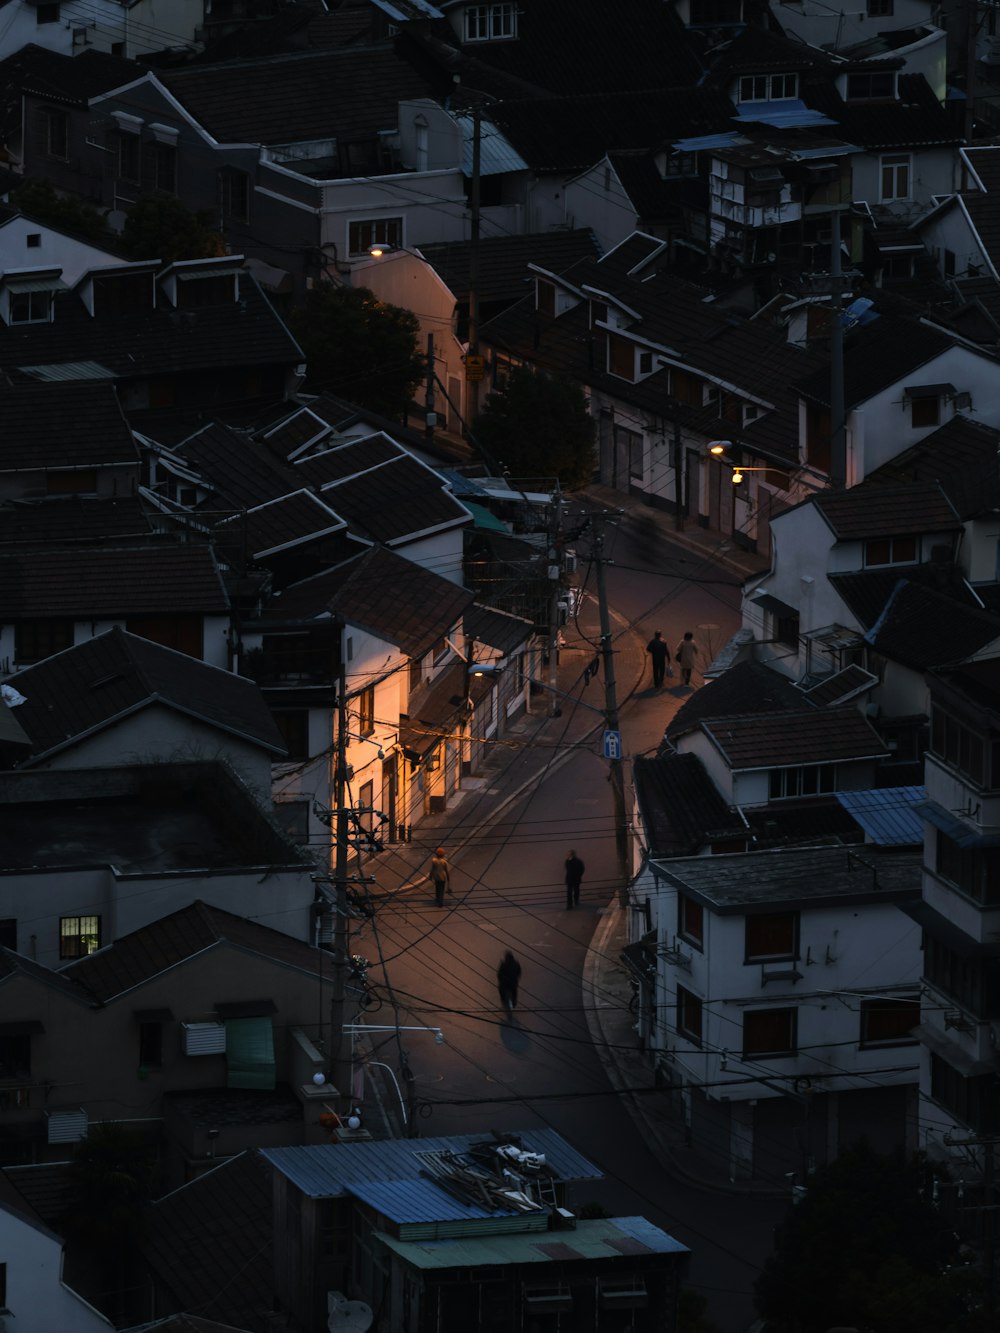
864	1249
39	200
158	226
360	348
537	425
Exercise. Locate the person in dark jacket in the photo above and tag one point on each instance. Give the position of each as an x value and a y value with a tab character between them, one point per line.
440	875
658	654
574	875
508	976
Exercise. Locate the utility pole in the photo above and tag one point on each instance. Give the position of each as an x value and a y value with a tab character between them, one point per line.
615	774
678	474
340	1051
472	354
555	584
838	434
430	416
988	1211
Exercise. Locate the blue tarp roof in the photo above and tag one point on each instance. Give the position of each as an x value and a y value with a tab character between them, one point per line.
889	815
790	113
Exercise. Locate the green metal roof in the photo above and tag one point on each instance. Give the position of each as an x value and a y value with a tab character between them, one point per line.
597	1238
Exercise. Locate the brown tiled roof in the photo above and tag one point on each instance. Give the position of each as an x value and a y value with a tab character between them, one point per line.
394	598
72	518
866	592
924	628
504	261
748	687
961	456
137	958
51	426
65	78
682	811
335	460
241	472
287	98
288	521
90	686
396	501
840	686
209	1244
880	510
779	740
181	579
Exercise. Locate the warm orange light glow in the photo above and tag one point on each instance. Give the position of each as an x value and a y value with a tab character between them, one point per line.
376	252
737	477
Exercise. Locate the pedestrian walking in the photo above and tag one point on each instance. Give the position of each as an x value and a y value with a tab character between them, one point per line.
658	654
440	875
574	874
508	976
687	654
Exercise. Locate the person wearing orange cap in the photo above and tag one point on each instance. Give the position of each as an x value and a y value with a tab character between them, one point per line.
440	875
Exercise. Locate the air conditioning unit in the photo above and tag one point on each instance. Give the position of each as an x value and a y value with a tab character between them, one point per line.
203	1038
66	1126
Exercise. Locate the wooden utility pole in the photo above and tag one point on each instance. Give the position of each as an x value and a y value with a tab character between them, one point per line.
430	416
554	572
340	1046
838	432
615	772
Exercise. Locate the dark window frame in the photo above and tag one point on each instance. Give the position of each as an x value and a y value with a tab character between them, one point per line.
690	920
690	1014
887	1021
760	1027
771	937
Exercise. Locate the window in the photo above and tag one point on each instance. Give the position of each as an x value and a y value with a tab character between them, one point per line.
895	172
293	723
621	357
8	933
818	437
490	23
46	14
891	551
80	482
925	411
770	1032
30	307
293	819
975	871
688	1014
374	231
151	1045
545	297
37	639
975	1101
867	87
686	388
880	9
15	1054
809	780
886	1022
79	936
234	187
203	293
785	628
690	919
366	711
33	240
768	87
961	748
772	935
129	158
164	167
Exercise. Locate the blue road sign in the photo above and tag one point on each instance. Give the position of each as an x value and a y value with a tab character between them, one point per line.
612	745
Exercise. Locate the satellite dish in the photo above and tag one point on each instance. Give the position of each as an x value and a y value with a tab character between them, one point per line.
346	1316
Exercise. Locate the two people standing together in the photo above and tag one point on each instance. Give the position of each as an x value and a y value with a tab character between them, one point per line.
686	655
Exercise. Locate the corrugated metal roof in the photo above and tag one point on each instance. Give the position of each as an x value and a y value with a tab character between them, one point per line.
598	1238
791	113
69	370
496	153
889	815
327	1171
414	1200
704	141
483	518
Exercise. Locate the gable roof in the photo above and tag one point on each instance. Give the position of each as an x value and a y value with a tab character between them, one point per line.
880	510
786	740
393	501
241	472
915	120
179	579
208	1242
61	78
682	811
742	882
961	456
63	519
276	526
134	959
393	598
53	426
747	687
303	95
922	628
81	691
865	592
504	261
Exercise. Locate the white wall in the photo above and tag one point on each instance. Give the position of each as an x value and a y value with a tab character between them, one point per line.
596	199
821	25
933	171
54	250
432	205
951	230
37	1298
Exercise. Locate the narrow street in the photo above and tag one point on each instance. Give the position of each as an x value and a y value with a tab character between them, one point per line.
541	1068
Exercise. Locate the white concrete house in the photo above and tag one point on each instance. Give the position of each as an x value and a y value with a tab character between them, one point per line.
788	989
71	27
34	1297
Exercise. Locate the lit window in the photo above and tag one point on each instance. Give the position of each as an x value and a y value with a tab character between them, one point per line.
374	231
79	936
366	711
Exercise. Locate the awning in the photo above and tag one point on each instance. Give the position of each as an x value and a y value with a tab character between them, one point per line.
249	1053
953	827
928	390
769	603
